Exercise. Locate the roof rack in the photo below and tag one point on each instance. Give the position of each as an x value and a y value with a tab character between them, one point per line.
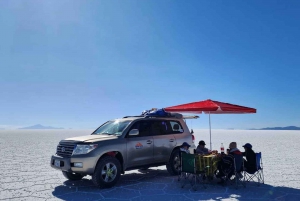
132	116
172	115
157	116
190	117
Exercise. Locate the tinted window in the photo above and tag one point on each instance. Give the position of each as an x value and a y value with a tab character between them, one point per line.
176	127
144	128
158	127
164	127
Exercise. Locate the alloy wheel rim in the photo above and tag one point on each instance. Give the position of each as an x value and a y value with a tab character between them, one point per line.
176	162
109	172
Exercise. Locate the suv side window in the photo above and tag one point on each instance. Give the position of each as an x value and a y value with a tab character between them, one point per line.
176	127
160	127
165	127
144	128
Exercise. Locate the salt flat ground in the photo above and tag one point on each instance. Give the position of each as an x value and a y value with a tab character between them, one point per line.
25	173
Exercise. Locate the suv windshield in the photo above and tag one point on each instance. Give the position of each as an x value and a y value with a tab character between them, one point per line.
112	128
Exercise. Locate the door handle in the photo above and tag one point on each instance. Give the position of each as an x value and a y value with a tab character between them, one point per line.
171	140
149	142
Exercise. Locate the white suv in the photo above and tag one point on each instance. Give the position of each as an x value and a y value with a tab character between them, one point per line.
132	142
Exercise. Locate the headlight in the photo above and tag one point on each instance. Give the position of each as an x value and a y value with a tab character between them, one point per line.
84	149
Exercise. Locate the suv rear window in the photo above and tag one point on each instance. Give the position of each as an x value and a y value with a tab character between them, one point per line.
176	127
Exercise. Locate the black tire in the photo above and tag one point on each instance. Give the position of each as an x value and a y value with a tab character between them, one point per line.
107	172
72	176
173	166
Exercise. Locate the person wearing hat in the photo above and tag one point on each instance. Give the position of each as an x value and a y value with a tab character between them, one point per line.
185	147
250	162
201	148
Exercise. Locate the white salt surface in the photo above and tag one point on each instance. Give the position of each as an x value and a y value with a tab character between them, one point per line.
25	172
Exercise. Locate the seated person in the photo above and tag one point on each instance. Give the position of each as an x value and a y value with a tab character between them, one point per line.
185	147
250	162
201	148
226	164
233	149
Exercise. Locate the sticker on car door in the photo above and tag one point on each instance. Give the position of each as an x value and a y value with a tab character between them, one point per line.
138	145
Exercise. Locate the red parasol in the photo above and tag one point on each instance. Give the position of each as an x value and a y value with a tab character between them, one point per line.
210	107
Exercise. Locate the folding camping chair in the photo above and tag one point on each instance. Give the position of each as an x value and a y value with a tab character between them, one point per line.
203	166
178	163
180	173
188	171
258	174
234	175
238	168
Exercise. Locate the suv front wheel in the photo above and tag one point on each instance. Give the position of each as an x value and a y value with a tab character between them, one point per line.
107	172
173	166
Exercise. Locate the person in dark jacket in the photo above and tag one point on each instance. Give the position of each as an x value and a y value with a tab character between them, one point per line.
226	164
250	162
201	148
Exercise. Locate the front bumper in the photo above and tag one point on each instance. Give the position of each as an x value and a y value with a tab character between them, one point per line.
67	164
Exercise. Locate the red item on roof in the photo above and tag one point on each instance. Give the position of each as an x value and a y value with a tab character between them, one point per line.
210	106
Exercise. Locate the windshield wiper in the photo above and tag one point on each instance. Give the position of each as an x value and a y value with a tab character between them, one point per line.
108	133
104	134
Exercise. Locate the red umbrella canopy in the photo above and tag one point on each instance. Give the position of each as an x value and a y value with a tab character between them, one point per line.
210	106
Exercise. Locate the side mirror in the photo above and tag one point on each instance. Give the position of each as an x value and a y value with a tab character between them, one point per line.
192	131
134	132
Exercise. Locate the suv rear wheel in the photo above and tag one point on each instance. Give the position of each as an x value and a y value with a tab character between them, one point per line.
72	176
173	166
107	172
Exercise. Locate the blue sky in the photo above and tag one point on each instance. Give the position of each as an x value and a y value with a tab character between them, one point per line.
76	64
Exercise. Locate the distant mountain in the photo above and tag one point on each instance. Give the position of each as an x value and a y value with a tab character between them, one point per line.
39	126
280	128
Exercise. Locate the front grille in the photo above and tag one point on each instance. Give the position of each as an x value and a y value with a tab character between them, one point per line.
65	149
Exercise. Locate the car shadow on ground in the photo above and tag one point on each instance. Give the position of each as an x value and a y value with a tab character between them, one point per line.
156	184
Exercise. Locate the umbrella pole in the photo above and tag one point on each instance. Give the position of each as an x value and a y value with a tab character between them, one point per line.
209	130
